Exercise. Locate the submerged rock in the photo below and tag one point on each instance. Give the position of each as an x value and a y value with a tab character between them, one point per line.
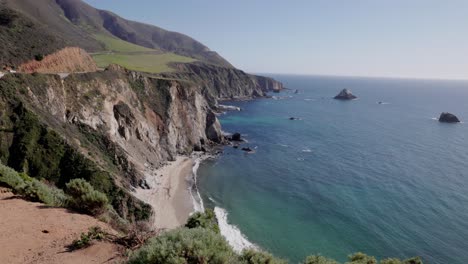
448	118
293	118
345	94
247	149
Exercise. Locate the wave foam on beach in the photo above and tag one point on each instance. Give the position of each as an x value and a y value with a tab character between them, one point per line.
198	205
232	233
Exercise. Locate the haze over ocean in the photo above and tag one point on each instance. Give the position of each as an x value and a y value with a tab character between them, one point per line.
385	179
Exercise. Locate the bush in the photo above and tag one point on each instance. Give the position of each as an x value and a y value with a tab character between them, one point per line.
10	177
84	198
319	260
39	57
183	245
30	188
37	191
361	258
416	260
204	220
259	257
86	239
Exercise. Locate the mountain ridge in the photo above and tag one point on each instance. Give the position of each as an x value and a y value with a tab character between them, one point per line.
77	22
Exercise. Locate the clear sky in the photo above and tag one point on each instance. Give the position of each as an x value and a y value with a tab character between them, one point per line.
392	38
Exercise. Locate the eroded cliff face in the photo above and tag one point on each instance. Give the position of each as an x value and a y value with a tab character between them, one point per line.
69	59
114	127
119	122
222	83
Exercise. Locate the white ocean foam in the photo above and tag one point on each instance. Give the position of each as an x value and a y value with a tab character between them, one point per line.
306	150
231	232
196	197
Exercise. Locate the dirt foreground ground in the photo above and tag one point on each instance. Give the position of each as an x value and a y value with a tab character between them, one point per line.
33	233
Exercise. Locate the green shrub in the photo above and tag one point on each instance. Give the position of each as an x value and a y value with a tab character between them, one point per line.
319	260
84	198
415	260
39	57
361	258
204	220
10	177
185	246
30	188
86	239
259	257
37	191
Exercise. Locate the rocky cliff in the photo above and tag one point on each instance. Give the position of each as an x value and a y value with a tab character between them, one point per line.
223	83
112	128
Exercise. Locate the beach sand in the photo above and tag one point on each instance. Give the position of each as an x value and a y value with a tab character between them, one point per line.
170	194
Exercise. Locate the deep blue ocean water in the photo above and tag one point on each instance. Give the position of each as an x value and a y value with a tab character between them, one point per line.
384	179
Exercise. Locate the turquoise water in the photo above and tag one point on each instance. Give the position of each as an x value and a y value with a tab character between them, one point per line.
385	179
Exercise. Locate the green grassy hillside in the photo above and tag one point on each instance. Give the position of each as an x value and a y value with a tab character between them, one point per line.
143	62
118	45
135	57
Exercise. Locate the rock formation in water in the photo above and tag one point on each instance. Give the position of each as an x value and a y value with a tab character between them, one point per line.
345	94
236	137
448	118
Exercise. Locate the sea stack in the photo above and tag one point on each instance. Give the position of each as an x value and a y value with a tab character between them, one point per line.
448	118
345	94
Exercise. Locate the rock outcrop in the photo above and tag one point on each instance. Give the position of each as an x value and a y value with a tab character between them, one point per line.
448	118
345	94
70	59
220	83
236	137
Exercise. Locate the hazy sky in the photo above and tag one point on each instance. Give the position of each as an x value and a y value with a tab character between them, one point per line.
394	38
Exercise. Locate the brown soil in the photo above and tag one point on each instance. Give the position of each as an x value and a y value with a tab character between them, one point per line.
34	233
67	60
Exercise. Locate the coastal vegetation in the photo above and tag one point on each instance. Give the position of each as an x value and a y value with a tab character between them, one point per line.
199	243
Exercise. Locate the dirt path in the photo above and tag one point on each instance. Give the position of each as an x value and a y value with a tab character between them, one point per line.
33	233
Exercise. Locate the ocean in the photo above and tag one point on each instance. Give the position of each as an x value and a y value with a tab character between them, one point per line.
386	179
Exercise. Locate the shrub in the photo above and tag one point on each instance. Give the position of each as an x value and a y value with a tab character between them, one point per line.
183	245
259	257
10	177
30	188
361	258
415	260
39	57
84	198
319	260
204	220
37	191
86	239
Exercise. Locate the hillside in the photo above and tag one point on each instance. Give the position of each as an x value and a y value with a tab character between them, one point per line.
65	60
23	38
79	24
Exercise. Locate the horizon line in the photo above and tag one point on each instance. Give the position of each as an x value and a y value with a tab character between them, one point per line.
363	76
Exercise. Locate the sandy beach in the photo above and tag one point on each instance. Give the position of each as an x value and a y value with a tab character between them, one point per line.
170	194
